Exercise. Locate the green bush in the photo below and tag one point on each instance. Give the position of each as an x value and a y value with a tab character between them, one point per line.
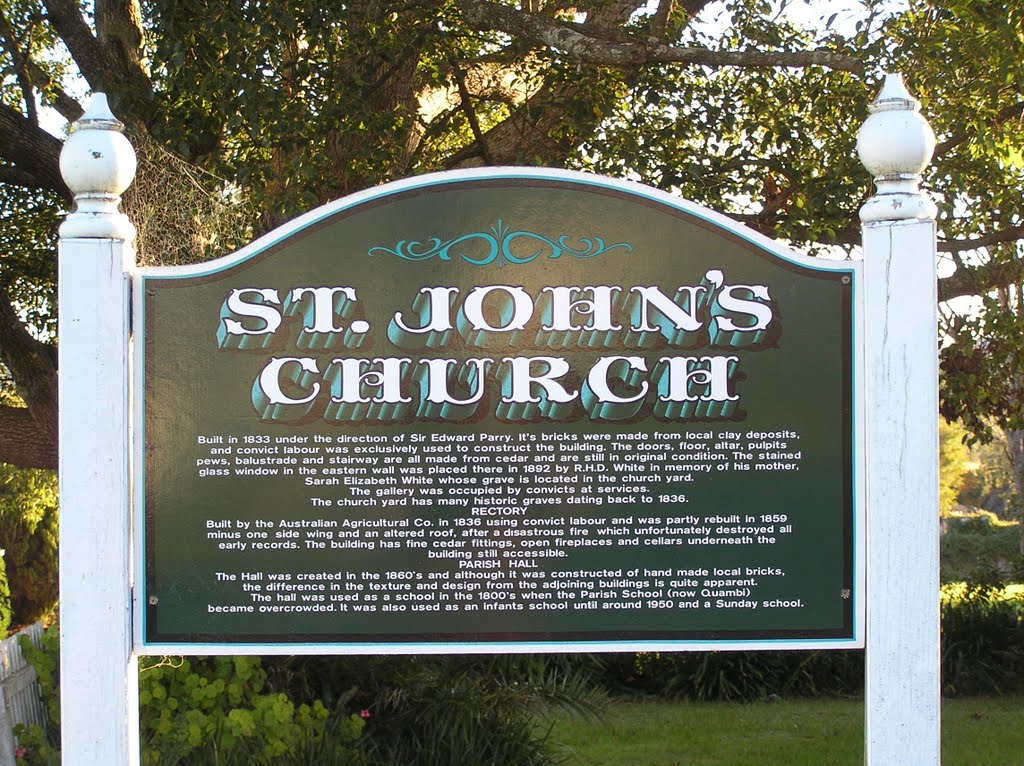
42	743
982	640
206	710
484	711
451	710
400	711
982	653
5	598
28	536
737	676
979	546
207	706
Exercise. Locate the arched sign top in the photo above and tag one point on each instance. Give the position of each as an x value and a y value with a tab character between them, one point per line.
506	409
569	181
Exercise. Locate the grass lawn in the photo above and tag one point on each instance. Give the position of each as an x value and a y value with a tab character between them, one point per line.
975	732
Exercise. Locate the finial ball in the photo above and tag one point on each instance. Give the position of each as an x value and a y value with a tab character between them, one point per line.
895	139
97	158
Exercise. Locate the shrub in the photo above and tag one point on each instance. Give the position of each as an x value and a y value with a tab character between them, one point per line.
5	598
979	546
28	535
452	710
982	639
195	707
42	743
739	676
982	653
206	711
412	711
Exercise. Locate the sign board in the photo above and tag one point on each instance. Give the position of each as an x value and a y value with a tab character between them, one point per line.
500	411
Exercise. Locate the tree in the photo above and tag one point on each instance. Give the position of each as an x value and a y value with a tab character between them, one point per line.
258	111
983	378
954	465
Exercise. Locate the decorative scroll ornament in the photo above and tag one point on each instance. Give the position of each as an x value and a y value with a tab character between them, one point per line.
498	246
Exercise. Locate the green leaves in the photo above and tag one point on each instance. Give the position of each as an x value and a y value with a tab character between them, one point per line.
28	536
965	61
28	246
982	371
192	707
303	102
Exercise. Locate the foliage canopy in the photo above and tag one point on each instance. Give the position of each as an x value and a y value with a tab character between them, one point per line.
248	114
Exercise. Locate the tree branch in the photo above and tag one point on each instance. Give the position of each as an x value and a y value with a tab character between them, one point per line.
1012	234
659	21
576	42
32	77
978	280
693	7
110	63
466	102
17	177
120	22
66	18
53	94
119	28
539	126
32	150
21	60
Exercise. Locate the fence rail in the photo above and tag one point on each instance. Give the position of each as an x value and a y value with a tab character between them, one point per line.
20	701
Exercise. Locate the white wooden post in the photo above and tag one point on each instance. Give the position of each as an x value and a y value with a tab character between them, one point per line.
99	678
902	677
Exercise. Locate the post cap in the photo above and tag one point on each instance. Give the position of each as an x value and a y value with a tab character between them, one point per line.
896	144
98	164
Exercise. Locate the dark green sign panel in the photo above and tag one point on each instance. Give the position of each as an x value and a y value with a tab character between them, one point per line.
525	411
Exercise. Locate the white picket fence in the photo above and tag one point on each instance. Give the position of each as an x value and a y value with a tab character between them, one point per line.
20	701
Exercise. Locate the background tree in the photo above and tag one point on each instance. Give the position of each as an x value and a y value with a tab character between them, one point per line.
989	484
955	465
246	114
983	379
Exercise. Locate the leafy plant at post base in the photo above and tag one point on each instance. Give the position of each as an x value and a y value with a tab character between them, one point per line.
220	705
205	710
5	598
42	743
417	711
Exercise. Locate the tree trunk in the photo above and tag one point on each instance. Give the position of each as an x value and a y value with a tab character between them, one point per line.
23	443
